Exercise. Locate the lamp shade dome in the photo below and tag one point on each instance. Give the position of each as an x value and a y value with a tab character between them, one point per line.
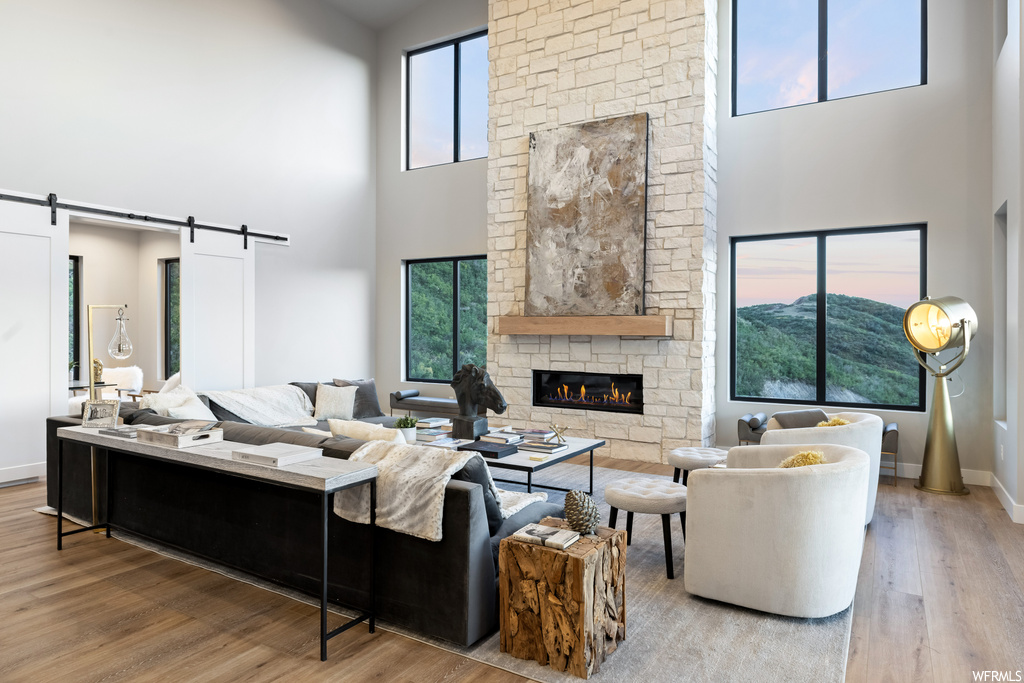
933	325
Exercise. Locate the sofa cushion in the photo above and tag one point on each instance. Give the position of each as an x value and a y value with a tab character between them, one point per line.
257	435
531	514
366	404
475	471
334	403
798	419
309	388
149	417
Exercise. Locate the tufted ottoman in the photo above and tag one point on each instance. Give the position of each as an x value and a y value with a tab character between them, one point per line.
648	496
694	458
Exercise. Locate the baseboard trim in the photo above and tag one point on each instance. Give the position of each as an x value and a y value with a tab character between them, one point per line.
20	474
1012	507
971	477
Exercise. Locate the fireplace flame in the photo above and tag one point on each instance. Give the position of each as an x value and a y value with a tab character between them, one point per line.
612	397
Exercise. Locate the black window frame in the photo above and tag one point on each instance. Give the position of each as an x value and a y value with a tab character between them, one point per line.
456	53
76	314
823	60
821	317
167	315
455	261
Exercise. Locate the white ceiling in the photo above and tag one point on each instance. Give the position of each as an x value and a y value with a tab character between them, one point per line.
376	14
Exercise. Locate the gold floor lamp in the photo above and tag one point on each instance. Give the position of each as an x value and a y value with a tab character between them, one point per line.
119	348
934	325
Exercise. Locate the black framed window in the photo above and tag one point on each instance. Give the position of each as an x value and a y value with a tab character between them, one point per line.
74	314
817	317
446	316
446	102
172	316
801	51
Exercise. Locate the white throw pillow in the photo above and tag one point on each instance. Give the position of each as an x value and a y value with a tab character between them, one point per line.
354	429
334	403
316	432
161	402
192	409
171	383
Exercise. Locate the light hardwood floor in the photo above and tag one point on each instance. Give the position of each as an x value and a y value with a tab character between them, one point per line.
941	593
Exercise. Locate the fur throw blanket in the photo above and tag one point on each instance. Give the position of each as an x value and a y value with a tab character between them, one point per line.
410	488
282	405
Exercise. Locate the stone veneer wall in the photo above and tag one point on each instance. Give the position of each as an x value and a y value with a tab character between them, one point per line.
561	62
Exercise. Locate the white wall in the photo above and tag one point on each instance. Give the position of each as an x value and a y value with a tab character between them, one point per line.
427	212
912	155
1006	188
238	111
147	330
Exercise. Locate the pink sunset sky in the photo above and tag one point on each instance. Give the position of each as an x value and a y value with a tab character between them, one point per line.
882	267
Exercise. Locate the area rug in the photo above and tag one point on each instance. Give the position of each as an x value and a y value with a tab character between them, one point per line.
670	635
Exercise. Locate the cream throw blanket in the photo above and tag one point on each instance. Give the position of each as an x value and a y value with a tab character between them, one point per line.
282	405
410	488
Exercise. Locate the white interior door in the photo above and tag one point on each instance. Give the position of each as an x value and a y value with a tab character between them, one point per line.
33	334
218	304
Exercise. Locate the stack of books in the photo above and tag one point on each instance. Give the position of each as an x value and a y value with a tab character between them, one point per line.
543	447
276	454
502	437
428	435
553	537
434	423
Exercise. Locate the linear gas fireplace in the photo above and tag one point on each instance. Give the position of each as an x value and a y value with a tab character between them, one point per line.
589	391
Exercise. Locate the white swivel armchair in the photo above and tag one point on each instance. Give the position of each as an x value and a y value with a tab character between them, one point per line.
863	432
785	541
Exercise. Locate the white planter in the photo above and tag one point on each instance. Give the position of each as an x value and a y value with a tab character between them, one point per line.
410	434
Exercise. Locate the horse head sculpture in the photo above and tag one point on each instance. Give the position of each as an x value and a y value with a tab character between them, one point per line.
473	388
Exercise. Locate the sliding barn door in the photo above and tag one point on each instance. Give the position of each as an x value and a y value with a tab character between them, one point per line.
33	334
218	303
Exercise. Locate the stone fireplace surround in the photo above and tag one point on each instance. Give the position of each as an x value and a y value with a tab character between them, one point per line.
556	63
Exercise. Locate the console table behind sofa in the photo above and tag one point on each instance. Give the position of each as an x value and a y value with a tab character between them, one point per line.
445	589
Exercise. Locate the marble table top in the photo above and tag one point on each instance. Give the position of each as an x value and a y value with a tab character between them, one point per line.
321	474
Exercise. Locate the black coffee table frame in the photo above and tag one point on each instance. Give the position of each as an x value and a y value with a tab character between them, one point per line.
520	462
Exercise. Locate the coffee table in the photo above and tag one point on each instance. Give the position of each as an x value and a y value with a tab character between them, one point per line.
520	462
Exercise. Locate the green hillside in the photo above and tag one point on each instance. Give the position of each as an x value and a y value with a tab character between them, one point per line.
869	357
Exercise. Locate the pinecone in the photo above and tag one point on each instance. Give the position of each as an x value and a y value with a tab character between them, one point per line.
581	512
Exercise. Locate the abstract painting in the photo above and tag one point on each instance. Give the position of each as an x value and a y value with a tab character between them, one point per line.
586	209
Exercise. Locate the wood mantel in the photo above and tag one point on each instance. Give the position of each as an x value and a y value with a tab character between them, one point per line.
594	325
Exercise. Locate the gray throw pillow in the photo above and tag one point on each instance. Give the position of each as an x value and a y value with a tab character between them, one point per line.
476	471
366	404
797	419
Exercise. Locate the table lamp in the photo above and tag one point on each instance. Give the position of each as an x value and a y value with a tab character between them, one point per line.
933	326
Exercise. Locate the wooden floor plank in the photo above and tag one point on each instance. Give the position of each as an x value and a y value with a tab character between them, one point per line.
941	593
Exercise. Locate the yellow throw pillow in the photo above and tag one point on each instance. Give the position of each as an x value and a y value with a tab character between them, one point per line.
834	422
803	459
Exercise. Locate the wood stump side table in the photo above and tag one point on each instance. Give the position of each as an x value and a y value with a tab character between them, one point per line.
563	608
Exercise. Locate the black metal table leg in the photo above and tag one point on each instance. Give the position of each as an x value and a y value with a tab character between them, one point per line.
373	550
60	493
591	471
529	481
106	485
323	579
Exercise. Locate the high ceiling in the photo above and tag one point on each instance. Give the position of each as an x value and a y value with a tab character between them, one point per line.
376	14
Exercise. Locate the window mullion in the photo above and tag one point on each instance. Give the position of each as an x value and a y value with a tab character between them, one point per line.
457	52
455	316
822	50
821	313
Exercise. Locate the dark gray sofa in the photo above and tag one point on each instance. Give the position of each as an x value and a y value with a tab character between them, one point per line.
445	589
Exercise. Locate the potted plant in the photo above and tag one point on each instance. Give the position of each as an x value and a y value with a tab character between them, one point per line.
407	425
71	370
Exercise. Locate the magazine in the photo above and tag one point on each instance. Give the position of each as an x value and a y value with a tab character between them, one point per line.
553	537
